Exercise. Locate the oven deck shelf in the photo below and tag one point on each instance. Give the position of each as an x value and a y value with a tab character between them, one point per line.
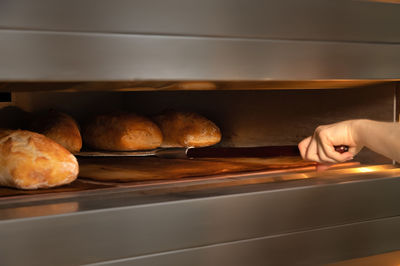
335	215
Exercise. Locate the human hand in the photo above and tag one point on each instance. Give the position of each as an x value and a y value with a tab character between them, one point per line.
321	146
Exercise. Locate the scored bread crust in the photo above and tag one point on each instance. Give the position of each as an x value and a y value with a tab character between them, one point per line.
122	132
187	129
30	160
61	128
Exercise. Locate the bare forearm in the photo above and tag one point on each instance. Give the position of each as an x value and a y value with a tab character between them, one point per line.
381	137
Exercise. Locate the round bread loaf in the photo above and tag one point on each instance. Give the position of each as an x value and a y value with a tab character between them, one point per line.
30	160
60	127
122	132
187	129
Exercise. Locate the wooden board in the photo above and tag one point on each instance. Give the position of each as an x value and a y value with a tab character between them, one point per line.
109	173
144	169
77	185
186	85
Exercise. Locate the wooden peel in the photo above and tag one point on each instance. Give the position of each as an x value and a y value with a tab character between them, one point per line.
129	169
161	153
206	152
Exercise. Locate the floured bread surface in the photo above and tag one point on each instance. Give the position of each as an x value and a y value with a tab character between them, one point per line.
30	160
61	128
187	129
122	132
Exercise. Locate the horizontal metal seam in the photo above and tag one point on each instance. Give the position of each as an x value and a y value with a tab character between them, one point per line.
237	241
188	36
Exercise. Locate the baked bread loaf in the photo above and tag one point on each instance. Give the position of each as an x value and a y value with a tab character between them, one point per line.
60	127
187	129
122	132
30	160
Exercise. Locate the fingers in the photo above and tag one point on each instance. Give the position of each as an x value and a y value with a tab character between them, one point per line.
320	150
331	154
312	151
324	156
321	146
303	146
308	149
353	151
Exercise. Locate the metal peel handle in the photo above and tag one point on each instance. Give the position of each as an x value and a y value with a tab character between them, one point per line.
342	148
172	153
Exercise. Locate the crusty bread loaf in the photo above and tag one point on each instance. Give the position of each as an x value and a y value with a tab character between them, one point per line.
60	127
187	129
122	132
30	160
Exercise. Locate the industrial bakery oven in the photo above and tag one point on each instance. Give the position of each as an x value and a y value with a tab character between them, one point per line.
266	72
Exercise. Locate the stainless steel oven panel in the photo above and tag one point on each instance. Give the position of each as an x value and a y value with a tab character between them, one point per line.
312	247
339	20
59	56
355	215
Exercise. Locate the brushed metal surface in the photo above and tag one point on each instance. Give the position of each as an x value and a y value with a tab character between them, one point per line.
339	20
109	227
313	247
38	56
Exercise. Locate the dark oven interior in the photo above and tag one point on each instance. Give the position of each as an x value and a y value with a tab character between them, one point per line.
249	114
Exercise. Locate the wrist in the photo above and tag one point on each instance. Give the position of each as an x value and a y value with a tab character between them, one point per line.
358	126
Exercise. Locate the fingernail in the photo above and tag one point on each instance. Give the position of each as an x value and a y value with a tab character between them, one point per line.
349	158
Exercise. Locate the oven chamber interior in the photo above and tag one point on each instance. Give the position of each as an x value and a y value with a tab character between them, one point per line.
244	66
250	114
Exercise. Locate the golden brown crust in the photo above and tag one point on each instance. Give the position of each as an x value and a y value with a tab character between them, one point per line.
30	160
61	128
122	132
187	129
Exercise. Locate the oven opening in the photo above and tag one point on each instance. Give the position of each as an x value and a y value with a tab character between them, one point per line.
261	124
